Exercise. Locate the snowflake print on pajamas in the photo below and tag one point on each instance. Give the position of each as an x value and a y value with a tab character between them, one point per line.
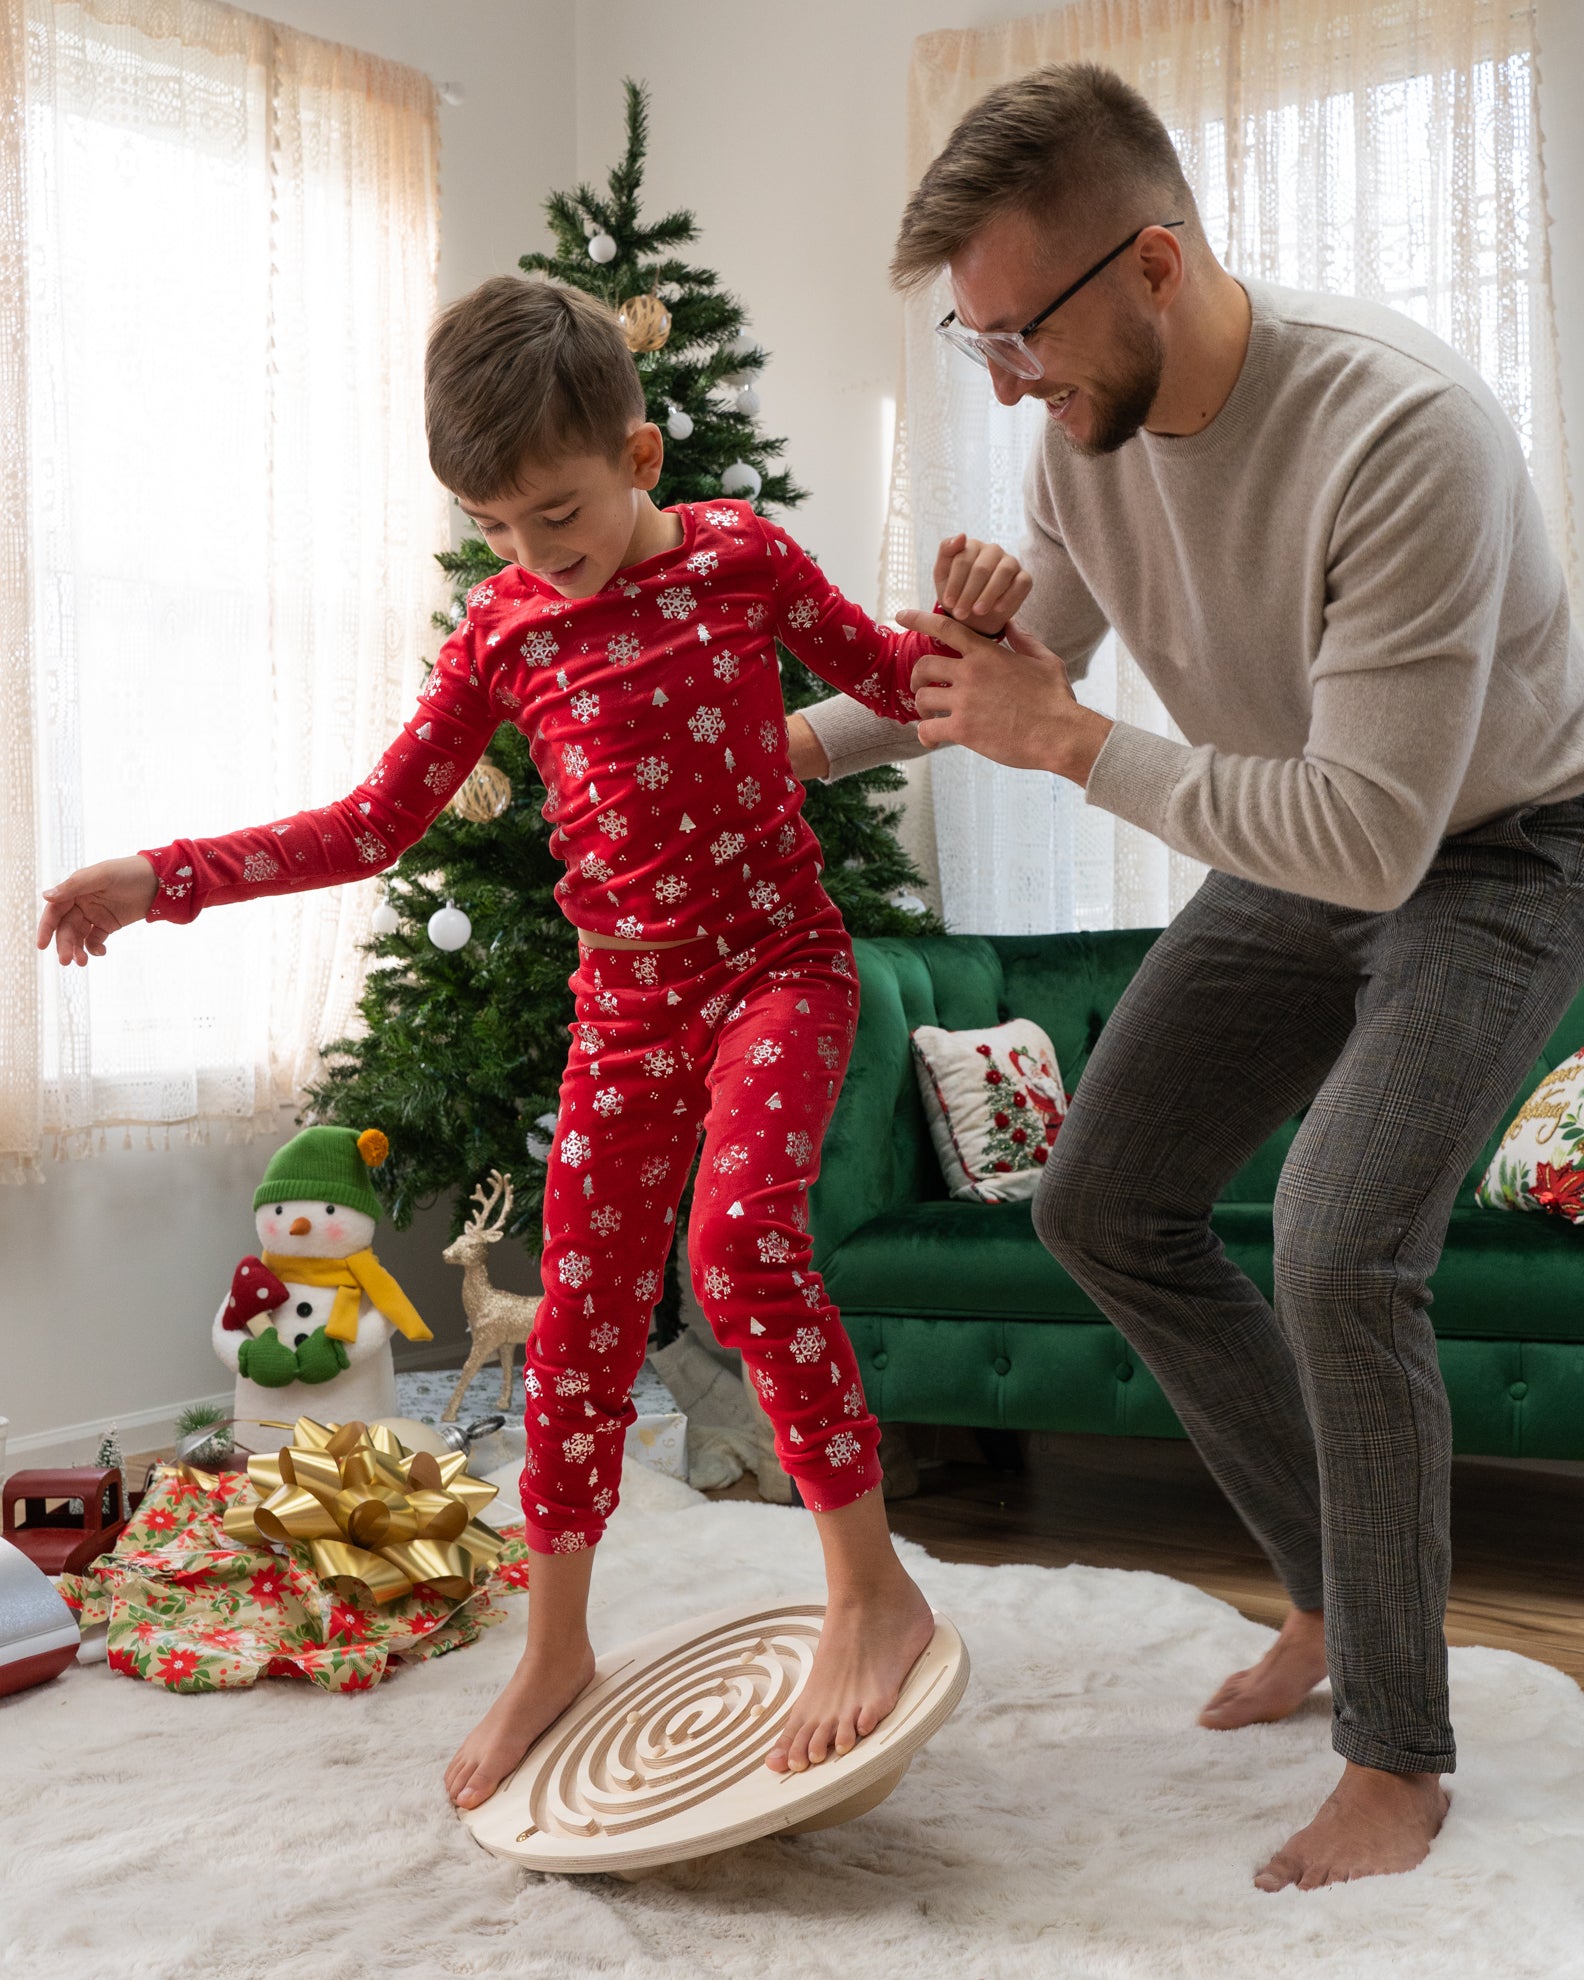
812	1294
717	1283
592	867
613	825
258	866
569	1543
843	1447
575	1149
646	970
631	927
730	1160
608	1101
659	1064
540	648
625	646
590	1038
853	1401
604	1337
722	518
727	666
703	563
585	706
573	761
604	1499
764	1052
771	736
481	594
706	725
749	793
440	776
532	1383
727	846
764	1382
606	1220
763	894
801	614
713	1009
571	1382
654	1169
646	1288
808	1344
670	888
786	838
755	616
651	772
576	1270
775	1248
800	1147
829	1052
675	603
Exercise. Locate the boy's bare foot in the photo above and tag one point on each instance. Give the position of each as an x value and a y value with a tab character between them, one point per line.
536	1694
1374	1825
1279	1683
869	1643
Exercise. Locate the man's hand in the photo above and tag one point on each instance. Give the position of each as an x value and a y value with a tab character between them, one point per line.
980	584
806	750
86	909
1015	706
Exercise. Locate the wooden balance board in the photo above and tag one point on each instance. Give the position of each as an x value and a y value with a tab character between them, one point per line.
662	1757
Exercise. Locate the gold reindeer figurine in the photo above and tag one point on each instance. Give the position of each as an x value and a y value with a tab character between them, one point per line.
499	1321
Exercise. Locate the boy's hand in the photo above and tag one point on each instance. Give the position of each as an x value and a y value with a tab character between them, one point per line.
981	585
84	911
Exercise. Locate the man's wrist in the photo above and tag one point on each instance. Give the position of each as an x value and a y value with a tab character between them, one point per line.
1082	737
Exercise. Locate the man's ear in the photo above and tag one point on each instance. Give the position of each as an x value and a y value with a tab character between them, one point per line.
645	455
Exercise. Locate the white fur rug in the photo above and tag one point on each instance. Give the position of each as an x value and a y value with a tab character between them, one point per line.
1070	1822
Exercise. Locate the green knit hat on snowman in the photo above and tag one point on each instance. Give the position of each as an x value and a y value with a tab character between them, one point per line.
326	1165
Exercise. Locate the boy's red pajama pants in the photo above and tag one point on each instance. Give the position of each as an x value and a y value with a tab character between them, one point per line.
751	1049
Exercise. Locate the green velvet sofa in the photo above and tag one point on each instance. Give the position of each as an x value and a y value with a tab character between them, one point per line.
958	1313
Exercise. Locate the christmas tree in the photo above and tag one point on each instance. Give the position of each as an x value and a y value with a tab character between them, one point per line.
461	1058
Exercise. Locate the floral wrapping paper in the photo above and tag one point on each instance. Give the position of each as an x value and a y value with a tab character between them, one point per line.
188	1608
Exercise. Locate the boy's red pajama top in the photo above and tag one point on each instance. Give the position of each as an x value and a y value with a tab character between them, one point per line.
654	715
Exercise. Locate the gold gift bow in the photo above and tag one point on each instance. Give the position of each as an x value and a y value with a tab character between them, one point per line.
372	1513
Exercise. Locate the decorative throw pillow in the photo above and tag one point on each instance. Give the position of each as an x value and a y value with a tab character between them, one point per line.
1540	1165
994	1102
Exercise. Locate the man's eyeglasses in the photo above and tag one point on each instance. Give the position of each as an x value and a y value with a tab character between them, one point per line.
1009	348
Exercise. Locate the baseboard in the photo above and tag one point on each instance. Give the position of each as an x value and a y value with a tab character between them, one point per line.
76	1443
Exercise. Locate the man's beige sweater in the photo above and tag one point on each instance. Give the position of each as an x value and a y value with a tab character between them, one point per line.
1341	590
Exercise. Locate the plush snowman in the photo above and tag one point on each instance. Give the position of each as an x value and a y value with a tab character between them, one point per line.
307	1324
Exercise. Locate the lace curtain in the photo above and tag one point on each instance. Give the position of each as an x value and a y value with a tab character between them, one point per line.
218	244
1381	148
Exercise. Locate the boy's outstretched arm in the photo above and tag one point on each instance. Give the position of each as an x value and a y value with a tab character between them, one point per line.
840	642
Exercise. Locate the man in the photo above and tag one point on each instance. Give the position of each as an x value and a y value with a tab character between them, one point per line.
1311	525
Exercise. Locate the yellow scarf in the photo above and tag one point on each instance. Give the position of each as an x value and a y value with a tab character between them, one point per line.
361	1273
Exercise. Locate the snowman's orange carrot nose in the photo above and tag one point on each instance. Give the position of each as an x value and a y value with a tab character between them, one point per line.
300	1227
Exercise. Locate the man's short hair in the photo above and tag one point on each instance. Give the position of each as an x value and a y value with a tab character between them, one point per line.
521	373
1059	144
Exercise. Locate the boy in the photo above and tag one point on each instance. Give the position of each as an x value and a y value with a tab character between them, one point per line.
715	990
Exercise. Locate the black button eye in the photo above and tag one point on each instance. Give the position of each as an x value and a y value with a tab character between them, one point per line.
304	1309
329	1209
280	1209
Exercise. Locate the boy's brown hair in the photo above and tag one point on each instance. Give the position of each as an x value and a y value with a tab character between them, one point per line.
1058	144
519	373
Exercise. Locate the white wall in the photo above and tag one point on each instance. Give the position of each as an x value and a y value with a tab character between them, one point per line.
784	134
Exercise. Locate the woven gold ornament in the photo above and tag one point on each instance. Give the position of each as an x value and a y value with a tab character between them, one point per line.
645	322
485	794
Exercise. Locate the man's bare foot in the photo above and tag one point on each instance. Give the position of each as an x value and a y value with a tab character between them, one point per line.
1279	1683
1374	1825
536	1694
869	1643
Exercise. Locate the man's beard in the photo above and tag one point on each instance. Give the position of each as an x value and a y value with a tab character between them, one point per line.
1121	403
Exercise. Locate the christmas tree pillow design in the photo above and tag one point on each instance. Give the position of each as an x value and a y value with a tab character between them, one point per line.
994	1103
1539	1165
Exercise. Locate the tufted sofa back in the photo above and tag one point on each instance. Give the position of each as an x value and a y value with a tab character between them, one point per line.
878	1154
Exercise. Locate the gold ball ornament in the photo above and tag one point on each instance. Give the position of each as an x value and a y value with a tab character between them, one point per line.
484	795
645	322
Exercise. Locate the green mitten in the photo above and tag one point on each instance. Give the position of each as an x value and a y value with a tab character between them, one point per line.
320	1359
267	1360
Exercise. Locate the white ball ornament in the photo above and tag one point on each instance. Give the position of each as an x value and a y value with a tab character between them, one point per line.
602	248
385	920
678	423
741	345
741	479
747	400
449	927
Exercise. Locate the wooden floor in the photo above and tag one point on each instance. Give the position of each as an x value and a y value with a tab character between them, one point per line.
1517	1532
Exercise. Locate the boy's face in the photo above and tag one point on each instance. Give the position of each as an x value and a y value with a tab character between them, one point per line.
576	521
